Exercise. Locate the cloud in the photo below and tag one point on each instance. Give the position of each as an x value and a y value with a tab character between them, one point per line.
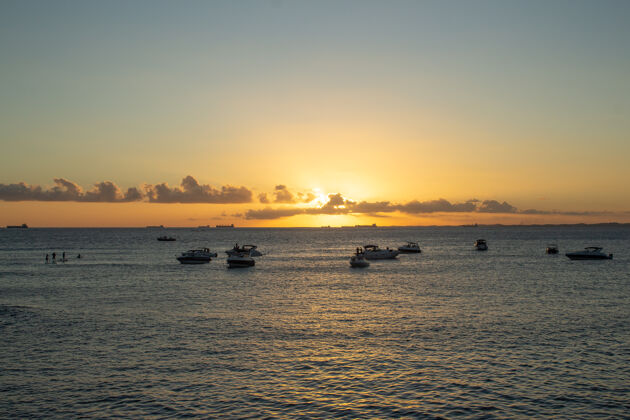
193	192
108	192
375	207
190	191
133	194
534	211
335	200
306	197
337	204
269	213
283	195
436	206
565	213
64	190
493	206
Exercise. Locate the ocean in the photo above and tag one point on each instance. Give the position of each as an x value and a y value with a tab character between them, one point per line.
127	331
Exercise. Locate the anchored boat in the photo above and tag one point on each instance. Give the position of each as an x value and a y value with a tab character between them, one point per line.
242	259
358	260
589	253
373	252
196	256
410	248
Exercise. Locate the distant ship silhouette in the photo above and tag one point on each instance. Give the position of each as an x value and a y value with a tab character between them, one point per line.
22	226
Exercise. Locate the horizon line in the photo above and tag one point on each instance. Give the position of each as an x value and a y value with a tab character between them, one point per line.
322	227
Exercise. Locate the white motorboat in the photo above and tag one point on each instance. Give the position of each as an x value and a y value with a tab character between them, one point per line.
410	248
196	256
358	260
589	253
242	259
373	252
250	250
481	245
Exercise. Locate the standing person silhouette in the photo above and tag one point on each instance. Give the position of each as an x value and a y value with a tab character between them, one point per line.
46	258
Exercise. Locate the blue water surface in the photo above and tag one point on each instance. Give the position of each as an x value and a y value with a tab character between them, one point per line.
127	331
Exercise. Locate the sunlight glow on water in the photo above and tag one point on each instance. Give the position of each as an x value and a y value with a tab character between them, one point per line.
451	332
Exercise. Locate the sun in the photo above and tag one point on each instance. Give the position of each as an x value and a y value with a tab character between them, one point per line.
320	199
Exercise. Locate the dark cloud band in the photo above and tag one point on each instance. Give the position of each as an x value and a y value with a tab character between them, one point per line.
338	205
190	191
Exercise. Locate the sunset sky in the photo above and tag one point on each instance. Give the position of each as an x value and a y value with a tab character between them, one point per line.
294	113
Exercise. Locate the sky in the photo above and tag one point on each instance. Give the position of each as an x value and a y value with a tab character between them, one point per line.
295	113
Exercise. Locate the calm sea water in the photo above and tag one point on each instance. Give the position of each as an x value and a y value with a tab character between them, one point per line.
128	331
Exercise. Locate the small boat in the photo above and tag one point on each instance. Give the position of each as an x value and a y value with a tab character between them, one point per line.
241	259
373	252
166	238
410	248
552	249
358	260
481	245
231	225
196	256
589	253
245	249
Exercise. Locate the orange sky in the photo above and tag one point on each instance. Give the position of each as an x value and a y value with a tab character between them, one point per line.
503	102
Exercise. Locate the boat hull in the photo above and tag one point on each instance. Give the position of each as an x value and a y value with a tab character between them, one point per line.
404	250
189	260
578	257
361	264
381	256
240	263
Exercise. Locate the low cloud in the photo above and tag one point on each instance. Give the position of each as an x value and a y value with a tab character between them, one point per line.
108	192
336	200
493	206
64	190
292	203
436	206
191	191
337	204
565	213
269	213
262	197
306	197
283	195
